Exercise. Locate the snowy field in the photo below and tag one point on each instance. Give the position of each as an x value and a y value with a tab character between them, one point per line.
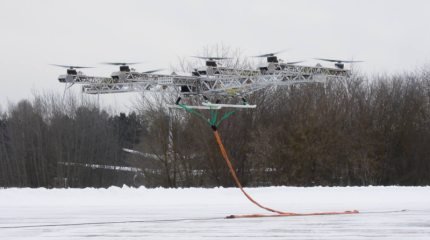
126	213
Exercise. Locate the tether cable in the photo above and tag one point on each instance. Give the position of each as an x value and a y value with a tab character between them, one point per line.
175	220
235	177
119	222
184	219
280	214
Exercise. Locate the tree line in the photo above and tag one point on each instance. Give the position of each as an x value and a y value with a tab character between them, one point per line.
51	142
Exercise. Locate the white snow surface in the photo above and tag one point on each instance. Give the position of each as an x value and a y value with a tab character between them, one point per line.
203	210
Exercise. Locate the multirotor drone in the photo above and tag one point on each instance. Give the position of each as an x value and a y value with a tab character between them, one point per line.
211	80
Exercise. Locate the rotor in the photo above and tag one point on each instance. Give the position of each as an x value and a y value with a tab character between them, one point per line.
338	63
153	71
292	63
210	61
69	67
123	66
120	64
271	54
210	58
71	70
271	57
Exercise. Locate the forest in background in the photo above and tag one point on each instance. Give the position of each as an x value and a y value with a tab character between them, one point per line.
374	131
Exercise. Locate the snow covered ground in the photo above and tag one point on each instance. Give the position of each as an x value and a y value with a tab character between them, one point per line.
126	213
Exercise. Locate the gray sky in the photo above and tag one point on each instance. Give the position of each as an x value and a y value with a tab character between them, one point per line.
391	35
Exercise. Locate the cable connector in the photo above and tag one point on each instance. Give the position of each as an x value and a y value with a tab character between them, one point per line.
214	128
178	100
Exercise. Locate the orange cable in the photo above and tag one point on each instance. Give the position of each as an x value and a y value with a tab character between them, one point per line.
256	203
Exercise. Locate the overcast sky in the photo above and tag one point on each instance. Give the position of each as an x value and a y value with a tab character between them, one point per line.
391	35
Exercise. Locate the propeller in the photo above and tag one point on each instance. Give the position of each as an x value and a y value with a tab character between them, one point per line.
294	62
121	64
271	54
69	67
337	61
210	58
153	71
